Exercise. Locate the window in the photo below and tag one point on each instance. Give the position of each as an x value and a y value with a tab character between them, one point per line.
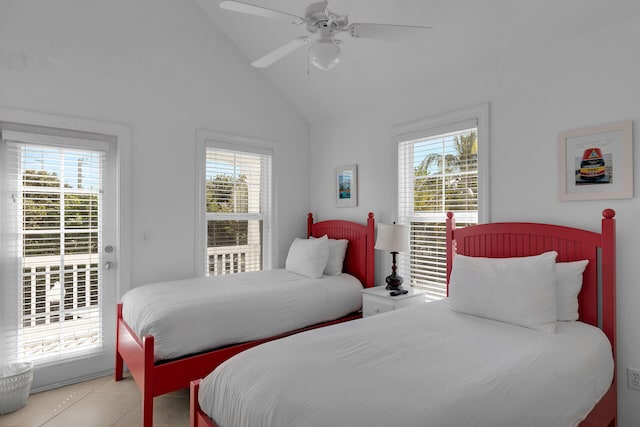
441	168
236	194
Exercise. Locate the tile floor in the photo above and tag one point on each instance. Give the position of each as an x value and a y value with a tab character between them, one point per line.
98	403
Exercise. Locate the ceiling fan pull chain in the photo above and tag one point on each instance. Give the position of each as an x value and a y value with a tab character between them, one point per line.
353	60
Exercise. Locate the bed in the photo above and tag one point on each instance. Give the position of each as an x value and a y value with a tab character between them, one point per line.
377	371
159	370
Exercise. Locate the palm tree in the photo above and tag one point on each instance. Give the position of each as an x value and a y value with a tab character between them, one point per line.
466	147
448	181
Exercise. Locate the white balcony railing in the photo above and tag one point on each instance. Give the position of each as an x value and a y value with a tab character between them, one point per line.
53	293
233	259
60	305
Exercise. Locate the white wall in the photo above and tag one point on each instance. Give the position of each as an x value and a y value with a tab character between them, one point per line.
162	68
534	94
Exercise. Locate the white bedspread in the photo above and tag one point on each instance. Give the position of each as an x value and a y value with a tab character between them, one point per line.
419	366
192	315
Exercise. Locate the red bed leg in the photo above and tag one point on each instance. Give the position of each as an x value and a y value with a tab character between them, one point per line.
197	418
119	362
604	414
147	411
194	387
119	367
147	382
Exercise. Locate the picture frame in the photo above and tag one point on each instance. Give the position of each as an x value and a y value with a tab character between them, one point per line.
347	186
596	163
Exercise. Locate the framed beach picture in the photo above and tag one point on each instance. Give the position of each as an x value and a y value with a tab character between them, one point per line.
347	186
596	163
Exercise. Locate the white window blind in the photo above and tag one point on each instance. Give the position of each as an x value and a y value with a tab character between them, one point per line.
436	174
238	206
52	209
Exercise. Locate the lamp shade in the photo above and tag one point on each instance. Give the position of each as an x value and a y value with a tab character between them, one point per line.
392	238
324	53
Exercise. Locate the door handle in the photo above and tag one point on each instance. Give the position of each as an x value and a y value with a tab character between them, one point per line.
108	265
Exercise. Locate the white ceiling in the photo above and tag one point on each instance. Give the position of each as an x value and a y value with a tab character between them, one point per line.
466	34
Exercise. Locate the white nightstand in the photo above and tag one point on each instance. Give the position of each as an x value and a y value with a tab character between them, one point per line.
377	300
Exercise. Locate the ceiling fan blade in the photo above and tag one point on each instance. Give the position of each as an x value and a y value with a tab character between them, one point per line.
251	9
281	52
386	31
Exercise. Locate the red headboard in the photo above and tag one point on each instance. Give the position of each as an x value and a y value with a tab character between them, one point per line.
359	260
513	239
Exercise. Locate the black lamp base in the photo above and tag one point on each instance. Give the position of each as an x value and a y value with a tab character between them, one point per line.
394	281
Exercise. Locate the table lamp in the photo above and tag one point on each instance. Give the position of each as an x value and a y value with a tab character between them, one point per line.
393	238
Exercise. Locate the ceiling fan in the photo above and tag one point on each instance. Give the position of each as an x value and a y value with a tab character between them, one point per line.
324	51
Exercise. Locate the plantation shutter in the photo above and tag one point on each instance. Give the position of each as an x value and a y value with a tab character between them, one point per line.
437	173
51	237
238	206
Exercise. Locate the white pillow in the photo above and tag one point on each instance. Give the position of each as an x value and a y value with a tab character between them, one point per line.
337	252
308	257
520	290
569	277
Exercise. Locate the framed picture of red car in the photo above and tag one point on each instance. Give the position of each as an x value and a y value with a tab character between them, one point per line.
596	163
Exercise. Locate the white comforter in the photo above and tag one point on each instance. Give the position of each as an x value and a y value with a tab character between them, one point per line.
419	366
192	315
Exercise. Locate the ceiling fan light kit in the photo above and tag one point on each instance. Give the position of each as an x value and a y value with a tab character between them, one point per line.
324	52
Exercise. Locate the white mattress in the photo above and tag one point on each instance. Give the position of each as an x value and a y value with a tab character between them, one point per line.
423	365
193	315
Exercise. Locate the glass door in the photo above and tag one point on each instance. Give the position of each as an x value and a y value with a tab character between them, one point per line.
59	270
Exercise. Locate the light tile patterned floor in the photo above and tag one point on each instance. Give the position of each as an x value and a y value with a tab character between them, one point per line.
98	403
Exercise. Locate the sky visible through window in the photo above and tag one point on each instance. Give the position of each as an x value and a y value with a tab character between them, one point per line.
214	168
73	167
440	145
430	146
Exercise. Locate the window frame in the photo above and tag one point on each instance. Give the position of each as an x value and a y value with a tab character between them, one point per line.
204	140
476	116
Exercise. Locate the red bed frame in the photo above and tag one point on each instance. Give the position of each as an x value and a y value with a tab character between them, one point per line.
509	239
499	240
157	379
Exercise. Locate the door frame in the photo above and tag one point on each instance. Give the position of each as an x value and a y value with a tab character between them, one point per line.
120	136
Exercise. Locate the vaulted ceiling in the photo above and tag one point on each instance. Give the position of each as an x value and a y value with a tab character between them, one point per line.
466	34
